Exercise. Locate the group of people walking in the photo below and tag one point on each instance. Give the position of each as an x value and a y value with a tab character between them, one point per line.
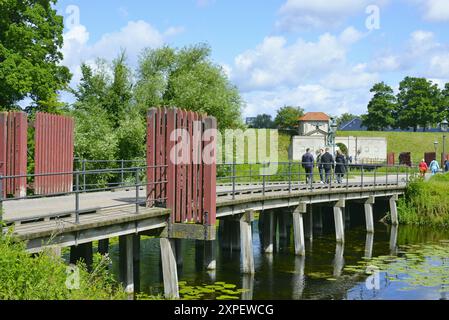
434	167
325	163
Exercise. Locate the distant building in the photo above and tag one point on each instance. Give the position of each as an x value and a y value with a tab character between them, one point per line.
353	125
314	124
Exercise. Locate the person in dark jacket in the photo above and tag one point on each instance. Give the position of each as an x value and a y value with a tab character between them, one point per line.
340	166
320	165
327	160
307	164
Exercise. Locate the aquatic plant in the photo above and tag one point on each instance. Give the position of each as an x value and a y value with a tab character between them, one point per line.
416	266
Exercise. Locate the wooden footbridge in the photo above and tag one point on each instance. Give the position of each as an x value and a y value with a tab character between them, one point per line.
175	200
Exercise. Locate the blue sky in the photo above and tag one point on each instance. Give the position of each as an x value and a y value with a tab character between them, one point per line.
321	55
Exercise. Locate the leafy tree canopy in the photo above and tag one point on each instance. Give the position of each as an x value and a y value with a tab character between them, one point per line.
187	78
263	121
288	117
381	108
31	38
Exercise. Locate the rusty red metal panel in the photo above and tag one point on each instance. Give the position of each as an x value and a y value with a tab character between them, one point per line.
171	165
189	166
178	212
163	154
199	170
195	157
209	159
3	143
151	156
54	147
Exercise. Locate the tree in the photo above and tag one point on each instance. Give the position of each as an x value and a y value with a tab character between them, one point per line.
381	108
263	121
345	118
31	38
444	105
187	78
418	104
287	117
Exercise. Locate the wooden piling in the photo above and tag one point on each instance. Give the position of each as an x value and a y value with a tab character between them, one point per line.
268	230
210	261
298	230
394	210
338	218
246	242
169	269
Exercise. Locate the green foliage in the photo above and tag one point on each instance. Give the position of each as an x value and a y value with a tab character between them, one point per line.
381	108
187	78
263	121
43	277
418	103
345	118
31	38
287	117
426	203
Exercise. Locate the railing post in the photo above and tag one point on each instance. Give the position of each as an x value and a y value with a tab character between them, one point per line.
83	169
406	175
289	177
397	176
250	174
375	176
233	180
362	175
122	175
263	180
137	191
77	197
386	176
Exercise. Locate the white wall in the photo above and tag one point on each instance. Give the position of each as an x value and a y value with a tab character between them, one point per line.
365	149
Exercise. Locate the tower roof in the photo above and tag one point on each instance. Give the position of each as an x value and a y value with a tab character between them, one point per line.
315	116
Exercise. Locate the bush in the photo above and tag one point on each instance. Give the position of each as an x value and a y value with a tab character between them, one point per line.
43	277
426	203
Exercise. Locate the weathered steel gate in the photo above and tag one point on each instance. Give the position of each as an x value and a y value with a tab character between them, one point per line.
181	160
13	152
53	153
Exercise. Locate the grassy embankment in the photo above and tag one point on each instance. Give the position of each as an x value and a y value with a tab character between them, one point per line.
426	203
417	143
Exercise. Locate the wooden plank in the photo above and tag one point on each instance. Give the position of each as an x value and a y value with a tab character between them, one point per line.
171	169
151	122
189	167
209	159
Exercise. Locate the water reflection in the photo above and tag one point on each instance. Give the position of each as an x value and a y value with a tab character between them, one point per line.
248	286
394	240
339	260
299	278
369	245
282	275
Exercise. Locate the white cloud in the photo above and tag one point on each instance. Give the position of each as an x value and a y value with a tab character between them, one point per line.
275	63
385	63
297	15
133	38
439	65
433	10
311	97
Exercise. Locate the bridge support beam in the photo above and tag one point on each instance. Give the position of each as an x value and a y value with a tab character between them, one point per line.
210	261
178	250
339	223
246	242
82	252
369	245
309	224
129	260
369	218
169	269
268	232
394	210
103	246
298	229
